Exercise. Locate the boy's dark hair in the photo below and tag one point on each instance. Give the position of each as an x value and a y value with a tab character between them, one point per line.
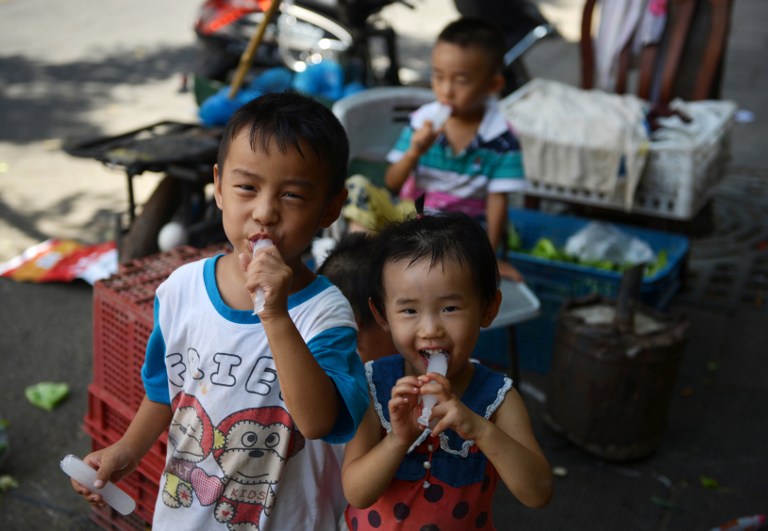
472	31
289	118
348	266
448	236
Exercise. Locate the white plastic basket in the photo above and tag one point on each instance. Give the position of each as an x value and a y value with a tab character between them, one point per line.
678	182
678	178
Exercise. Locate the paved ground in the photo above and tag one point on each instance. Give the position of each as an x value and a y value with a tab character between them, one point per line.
79	69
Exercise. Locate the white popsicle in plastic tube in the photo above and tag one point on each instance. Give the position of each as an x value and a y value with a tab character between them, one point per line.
438	362
258	298
441	115
116	497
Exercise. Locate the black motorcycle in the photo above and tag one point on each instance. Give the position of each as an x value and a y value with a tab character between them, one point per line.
303	33
350	32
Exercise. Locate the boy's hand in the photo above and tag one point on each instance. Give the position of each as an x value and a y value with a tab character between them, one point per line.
423	138
111	464
449	412
404	409
507	270
267	271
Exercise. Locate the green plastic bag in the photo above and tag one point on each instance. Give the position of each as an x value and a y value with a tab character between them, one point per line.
46	395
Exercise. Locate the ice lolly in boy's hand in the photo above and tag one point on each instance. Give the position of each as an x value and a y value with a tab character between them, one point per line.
116	497
258	298
441	115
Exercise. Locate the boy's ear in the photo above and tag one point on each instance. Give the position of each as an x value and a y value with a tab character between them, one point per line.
491	310
497	83
333	209
217	185
380	319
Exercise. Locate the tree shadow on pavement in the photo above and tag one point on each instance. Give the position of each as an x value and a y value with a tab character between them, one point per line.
100	227
41	101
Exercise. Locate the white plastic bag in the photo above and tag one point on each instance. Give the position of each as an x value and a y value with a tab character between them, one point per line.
604	241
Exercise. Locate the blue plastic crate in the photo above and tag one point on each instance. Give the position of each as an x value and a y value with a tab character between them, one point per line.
554	282
492	348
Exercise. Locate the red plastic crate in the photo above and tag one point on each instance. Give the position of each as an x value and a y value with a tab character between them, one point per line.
109	519
107	420
122	319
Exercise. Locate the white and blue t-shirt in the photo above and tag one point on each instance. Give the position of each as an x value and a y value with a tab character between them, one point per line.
235	457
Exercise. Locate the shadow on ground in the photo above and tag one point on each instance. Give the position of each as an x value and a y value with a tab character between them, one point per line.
64	93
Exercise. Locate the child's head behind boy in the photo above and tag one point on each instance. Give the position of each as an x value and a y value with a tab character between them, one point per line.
280	175
467	63
434	284
348	266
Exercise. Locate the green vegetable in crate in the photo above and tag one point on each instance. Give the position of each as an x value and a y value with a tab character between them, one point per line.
658	265
605	265
514	242
546	249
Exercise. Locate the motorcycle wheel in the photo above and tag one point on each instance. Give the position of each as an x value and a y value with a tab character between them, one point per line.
214	61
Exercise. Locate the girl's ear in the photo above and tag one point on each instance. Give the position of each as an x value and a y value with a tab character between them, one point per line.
380	319
491	310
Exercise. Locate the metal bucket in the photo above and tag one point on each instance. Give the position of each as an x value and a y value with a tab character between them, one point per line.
613	373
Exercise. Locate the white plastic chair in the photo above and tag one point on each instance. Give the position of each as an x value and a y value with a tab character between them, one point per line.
373	120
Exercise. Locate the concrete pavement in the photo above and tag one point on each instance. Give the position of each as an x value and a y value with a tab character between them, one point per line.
79	69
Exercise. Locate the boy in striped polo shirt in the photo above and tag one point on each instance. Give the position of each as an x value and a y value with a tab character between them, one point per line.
471	161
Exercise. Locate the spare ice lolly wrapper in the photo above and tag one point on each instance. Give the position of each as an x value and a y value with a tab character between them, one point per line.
258	298
438	363
116	497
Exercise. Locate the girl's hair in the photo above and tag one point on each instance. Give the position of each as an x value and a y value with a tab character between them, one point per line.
290	118
472	31
439	238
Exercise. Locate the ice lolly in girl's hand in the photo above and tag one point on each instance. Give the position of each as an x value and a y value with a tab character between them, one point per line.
116	497
258	298
438	363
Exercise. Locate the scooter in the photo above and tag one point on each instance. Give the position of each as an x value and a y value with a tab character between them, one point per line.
304	33
309	31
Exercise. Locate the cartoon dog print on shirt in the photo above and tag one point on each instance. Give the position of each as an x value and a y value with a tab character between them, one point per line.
257	443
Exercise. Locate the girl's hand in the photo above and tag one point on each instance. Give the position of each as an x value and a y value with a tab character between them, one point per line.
404	409
449	412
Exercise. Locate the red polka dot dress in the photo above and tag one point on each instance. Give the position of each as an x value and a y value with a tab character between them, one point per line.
444	483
